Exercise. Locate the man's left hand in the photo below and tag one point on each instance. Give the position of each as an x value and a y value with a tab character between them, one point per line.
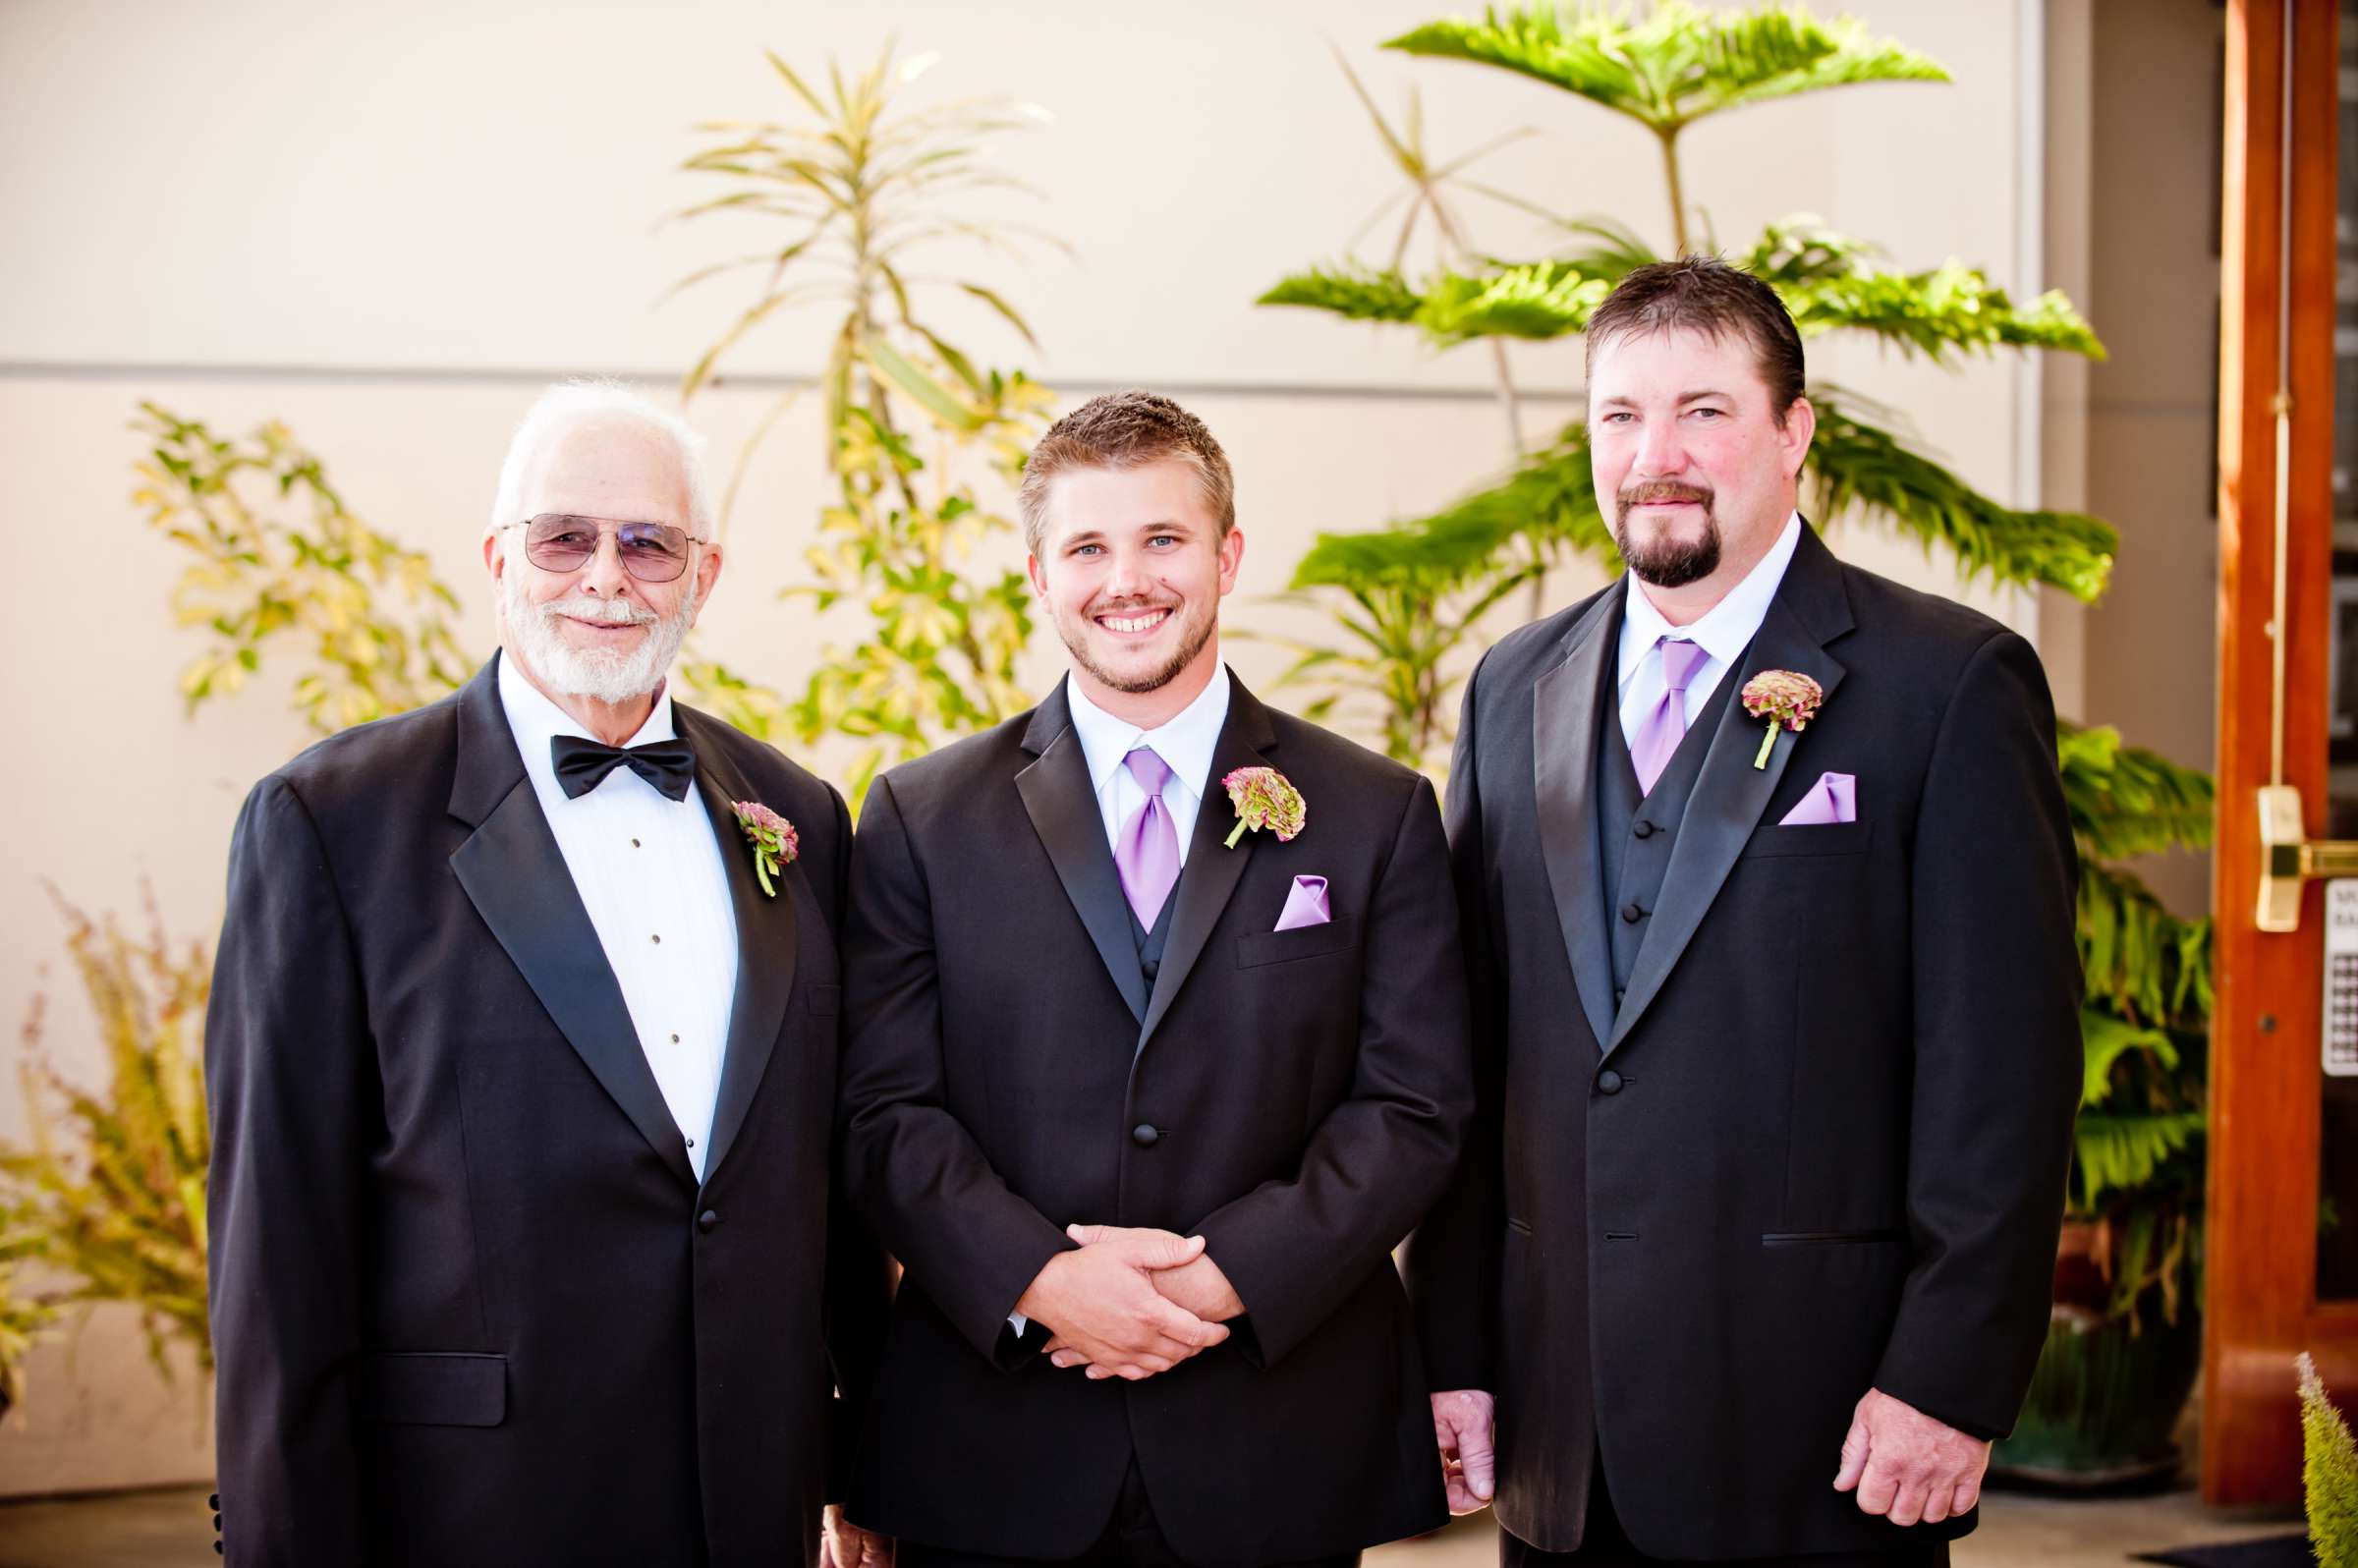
1908	1467
844	1544
1199	1286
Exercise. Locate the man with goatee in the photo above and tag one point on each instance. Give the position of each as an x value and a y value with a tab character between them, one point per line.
1768	898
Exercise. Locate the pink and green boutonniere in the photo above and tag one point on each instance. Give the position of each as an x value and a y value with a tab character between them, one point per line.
776	843
1264	798
1786	698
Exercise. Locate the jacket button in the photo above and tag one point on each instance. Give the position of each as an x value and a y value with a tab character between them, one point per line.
706	1221
1643	828
1144	1135
1608	1082
1632	913
215	1502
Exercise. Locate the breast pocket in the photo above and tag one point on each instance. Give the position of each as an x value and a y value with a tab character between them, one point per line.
1827	838
435	1388
1304	941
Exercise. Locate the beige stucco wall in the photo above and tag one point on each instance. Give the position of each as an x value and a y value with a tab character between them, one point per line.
387	232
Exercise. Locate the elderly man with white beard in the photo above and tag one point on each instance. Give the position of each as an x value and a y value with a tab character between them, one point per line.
521	1062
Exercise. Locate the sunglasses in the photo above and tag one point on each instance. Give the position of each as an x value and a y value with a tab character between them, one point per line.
559	541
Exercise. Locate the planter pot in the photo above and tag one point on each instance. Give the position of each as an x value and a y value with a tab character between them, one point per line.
2103	1406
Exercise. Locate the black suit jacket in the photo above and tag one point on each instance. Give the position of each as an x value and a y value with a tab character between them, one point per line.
1294	1097
1820	1147
470	1303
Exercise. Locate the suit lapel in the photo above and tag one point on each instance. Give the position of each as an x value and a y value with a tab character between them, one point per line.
1213	870
1567	705
1809	611
1062	803
512	870
766	941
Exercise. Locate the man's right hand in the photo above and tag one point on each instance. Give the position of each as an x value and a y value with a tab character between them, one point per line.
1100	1301
1462	1422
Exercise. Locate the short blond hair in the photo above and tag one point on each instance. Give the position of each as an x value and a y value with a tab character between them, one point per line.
1125	430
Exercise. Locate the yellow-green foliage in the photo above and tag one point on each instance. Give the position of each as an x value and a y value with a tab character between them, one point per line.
2328	1473
863	187
282	562
112	1188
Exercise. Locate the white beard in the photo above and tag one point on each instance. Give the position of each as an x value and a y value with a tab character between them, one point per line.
603	675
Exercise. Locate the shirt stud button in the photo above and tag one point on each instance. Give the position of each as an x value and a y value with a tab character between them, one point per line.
657	939
634	842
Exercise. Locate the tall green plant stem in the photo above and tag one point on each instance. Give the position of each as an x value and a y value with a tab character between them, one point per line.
1678	191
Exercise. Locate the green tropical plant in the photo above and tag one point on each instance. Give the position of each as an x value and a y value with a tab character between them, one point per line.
111	1189
1675	65
281	560
2328	1473
865	189
24	1316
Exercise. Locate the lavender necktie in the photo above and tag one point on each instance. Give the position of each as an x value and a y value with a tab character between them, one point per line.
1147	853
1658	737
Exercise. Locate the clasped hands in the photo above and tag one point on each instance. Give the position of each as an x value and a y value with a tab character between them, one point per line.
1130	1303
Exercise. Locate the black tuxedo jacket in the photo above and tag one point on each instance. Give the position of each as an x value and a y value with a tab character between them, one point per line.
1296	1098
470	1303
1821	1145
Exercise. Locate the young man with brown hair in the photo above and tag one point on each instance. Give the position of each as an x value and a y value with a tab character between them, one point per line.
1156	1048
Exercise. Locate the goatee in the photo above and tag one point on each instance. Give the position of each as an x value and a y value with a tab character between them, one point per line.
1664	561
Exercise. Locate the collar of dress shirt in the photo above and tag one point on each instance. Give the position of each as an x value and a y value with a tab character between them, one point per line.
1727	628
534	721
1185	743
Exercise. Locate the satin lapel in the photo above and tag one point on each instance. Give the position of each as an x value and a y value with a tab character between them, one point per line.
1809	610
767	943
1213	870
513	871
1567	707
1063	808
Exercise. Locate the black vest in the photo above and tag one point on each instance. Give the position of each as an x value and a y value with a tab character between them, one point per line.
1150	943
1634	834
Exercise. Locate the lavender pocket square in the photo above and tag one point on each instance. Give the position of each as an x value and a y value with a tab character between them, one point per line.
1835	798
1306	905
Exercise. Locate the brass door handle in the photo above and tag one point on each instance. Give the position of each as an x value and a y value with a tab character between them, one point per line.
2289	858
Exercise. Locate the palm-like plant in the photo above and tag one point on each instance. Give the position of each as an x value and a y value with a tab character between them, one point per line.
1679	65
866	191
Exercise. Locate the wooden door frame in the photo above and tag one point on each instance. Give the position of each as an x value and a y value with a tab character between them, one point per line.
2261	1252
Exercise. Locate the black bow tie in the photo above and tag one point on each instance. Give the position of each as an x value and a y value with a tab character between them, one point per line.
582	764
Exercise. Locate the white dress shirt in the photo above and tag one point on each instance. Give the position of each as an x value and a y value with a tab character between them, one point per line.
1185	743
650	873
1724	632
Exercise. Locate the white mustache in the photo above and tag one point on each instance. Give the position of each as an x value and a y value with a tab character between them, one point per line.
605	612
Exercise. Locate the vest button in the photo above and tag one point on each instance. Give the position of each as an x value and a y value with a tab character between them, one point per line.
706	1221
1642	828
1144	1135
1608	1082
1632	913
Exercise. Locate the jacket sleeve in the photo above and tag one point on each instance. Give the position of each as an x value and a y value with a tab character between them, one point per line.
1996	978
911	1168
858	1283
292	1089
1295	1250
1452	1262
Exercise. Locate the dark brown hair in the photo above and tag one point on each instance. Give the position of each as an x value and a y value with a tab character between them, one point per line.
1125	430
1706	295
